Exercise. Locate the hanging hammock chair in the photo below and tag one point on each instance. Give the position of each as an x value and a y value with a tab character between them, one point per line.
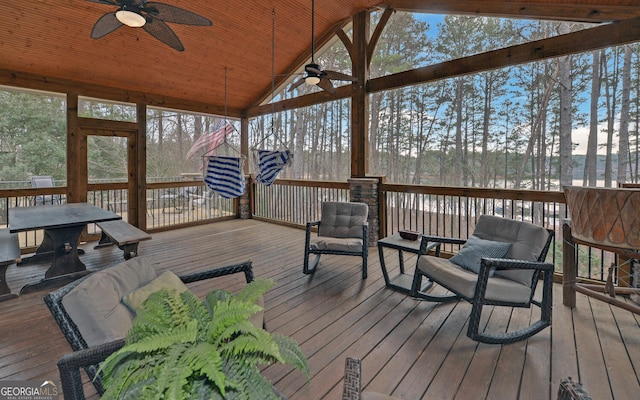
270	163
225	176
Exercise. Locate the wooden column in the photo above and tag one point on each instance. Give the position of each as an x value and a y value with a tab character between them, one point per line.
360	98
246	200
76	154
244	141
139	169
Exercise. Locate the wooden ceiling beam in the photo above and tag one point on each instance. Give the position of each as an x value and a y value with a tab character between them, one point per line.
614	34
589	39
320	43
375	37
566	11
63	86
342	92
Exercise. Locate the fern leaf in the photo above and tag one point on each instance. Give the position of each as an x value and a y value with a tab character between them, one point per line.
254	290
229	314
197	311
206	360
183	334
162	311
251	384
172	372
291	353
259	344
214	297
201	390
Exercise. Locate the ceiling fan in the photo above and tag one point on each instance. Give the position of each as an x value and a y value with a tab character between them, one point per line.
149	15
313	73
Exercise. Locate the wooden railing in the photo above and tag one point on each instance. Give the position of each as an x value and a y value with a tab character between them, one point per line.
169	205
434	210
295	202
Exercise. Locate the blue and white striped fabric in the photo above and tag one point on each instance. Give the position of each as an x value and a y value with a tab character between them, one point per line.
271	163
225	176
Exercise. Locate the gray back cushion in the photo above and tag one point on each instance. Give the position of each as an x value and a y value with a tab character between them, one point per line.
343	220
527	241
95	305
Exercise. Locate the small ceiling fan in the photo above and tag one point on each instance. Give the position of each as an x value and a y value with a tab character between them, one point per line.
313	73
149	15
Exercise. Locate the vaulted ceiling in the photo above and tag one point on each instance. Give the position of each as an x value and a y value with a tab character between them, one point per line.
47	44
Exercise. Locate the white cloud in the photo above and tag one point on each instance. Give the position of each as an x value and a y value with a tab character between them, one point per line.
580	137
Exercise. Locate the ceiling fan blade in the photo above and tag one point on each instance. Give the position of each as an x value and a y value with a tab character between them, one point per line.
163	33
105	25
296	83
326	85
108	2
176	15
338	76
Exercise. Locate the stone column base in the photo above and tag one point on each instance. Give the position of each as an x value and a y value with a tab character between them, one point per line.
365	190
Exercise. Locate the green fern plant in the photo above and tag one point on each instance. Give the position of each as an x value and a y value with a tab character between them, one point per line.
182	348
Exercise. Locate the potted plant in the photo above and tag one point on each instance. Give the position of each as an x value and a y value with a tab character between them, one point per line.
183	348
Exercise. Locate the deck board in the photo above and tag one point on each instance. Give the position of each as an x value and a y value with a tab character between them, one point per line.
410	348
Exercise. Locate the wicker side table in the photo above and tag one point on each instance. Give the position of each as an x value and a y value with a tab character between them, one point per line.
402	282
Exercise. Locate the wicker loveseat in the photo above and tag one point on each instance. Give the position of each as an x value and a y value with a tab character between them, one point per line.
94	337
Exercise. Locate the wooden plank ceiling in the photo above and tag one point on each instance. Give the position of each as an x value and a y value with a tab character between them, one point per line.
47	44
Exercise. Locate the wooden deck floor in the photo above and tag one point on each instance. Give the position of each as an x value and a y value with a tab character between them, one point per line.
411	349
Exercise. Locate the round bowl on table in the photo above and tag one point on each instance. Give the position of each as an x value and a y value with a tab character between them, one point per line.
408	234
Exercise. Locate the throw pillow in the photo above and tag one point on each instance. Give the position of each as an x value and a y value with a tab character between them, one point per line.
166	280
471	254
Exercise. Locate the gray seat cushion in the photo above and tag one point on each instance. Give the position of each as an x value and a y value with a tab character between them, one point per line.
95	305
463	281
336	244
527	241
342	219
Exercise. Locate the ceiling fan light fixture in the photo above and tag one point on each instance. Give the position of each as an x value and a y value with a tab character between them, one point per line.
130	18
312	80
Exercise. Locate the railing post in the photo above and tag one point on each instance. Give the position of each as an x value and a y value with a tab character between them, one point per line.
568	266
365	190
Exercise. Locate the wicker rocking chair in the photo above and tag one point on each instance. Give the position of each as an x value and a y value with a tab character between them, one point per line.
500	265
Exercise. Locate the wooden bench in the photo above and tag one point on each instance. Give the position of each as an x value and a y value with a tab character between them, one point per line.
9	254
123	234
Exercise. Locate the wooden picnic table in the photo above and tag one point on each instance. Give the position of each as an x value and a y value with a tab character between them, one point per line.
62	225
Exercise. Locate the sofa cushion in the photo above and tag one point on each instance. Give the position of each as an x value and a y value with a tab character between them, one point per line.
471	254
463	281
95	305
167	280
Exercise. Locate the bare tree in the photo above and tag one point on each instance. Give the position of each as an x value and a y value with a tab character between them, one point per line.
564	77
591	158
623	142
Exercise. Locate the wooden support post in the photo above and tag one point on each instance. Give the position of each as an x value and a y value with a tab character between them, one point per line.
569	267
76	154
244	141
360	98
138	181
